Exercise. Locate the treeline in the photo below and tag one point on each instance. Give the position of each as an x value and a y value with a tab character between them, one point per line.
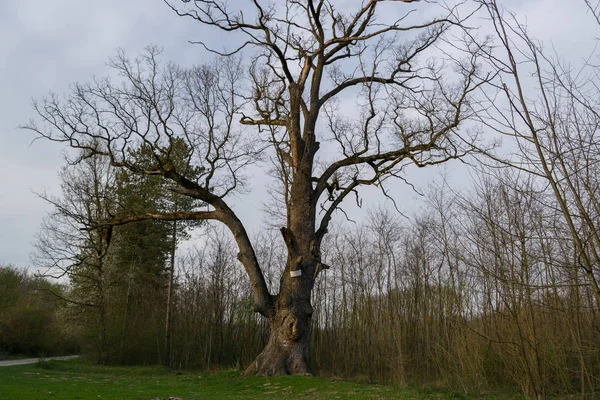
475	291
119	277
30	316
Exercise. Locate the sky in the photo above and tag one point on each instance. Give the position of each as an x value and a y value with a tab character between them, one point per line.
47	45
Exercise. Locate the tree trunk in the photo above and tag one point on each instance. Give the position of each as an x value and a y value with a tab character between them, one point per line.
103	353
287	351
127	310
169	308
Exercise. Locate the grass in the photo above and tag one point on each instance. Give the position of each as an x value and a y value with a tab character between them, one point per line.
76	379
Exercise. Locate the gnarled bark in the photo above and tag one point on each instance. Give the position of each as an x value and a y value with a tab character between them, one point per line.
286	353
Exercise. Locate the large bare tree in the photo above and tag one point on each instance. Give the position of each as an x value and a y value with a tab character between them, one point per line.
338	99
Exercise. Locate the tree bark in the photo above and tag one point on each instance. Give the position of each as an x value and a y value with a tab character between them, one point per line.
286	352
169	310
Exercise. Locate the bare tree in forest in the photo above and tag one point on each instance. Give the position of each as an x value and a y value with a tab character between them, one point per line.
68	246
551	114
338	99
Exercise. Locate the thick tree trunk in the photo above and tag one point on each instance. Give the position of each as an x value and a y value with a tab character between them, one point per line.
287	350
286	353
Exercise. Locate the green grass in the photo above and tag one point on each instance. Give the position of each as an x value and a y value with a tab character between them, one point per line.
76	379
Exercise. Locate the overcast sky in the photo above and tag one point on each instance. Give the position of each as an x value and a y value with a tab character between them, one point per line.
46	45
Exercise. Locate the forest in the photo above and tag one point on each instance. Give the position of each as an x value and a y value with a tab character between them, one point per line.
491	284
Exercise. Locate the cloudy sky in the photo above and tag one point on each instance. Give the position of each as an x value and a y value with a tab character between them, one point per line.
46	45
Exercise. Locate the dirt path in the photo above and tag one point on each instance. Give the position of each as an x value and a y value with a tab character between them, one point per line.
22	361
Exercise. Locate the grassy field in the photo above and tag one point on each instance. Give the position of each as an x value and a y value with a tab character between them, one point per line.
75	379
